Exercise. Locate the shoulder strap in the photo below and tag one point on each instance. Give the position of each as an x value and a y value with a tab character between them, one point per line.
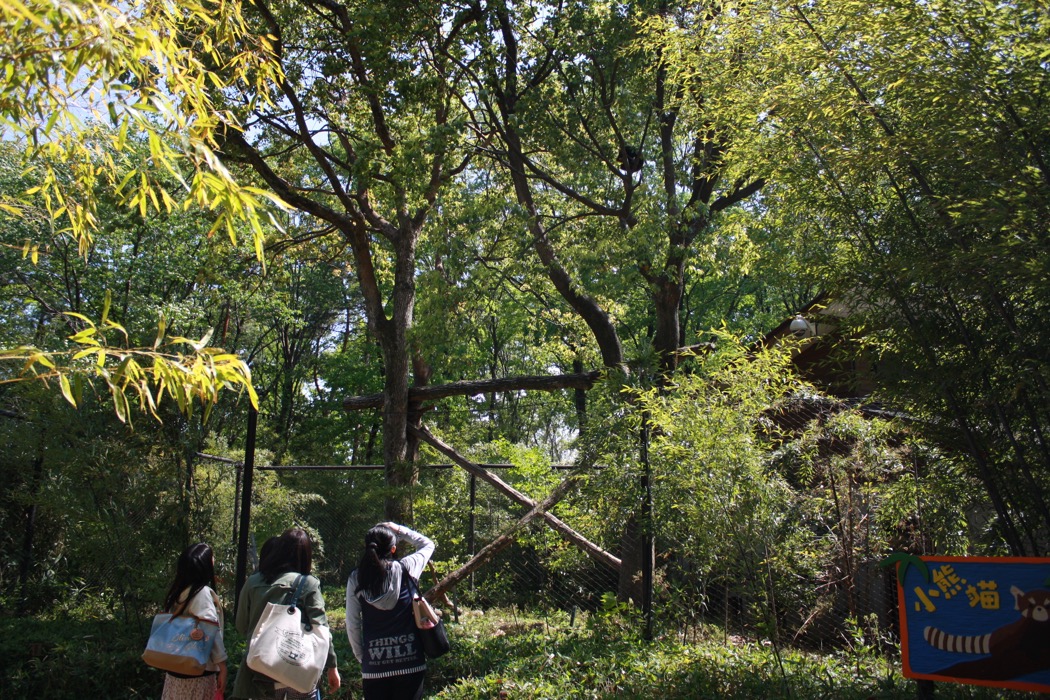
412	583
185	605
293	598
295	601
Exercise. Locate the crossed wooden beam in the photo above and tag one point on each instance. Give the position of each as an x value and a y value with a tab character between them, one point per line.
536	509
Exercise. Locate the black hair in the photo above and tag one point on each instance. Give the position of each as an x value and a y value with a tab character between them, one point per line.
194	570
376	560
264	551
291	551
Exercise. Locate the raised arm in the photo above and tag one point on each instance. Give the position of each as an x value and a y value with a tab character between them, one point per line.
423	546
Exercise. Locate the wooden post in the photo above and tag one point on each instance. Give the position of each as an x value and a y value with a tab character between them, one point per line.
500	543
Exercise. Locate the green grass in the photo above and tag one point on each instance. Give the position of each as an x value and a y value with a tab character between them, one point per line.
496	654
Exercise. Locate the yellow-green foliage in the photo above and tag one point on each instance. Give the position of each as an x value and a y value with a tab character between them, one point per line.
70	63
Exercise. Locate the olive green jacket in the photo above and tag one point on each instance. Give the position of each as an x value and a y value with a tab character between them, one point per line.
250	605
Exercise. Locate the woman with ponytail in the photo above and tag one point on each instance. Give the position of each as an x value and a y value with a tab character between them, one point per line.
379	617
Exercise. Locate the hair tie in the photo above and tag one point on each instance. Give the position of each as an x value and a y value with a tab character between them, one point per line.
371	545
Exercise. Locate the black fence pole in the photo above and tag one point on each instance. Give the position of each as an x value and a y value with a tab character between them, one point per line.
472	535
236	502
648	544
246	502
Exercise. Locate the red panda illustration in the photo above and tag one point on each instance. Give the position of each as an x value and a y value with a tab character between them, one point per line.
1013	650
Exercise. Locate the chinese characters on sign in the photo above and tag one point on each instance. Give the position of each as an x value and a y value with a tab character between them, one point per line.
947	585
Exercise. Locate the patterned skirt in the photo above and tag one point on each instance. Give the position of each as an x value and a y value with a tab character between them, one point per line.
200	688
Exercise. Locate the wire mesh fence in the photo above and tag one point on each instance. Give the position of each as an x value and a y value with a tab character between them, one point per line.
759	590
111	533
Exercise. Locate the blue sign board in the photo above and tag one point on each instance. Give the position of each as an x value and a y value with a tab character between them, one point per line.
976	620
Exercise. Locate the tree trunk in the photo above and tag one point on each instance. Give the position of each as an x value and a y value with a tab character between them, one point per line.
633	552
401	471
29	538
666	293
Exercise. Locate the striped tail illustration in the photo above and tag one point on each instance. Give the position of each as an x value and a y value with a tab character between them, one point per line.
957	642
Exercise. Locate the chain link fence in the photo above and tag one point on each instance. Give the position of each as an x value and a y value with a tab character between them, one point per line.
462	514
759	590
110	532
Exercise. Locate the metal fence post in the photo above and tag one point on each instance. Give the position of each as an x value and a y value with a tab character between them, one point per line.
472	535
246	502
648	541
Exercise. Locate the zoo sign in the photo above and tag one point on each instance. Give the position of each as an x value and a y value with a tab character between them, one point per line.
976	620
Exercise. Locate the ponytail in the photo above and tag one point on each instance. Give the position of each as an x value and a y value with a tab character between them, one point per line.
375	562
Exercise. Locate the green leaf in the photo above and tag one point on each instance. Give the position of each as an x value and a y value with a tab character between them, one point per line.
903	561
107	302
67	392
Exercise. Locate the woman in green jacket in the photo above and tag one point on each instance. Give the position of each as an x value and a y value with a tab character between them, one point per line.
291	554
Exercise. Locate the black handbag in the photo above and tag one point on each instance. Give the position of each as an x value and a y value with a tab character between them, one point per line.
430	628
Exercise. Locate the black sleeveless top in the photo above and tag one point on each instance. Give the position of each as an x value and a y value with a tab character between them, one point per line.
391	647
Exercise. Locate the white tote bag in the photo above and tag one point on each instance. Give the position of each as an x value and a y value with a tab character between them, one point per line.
287	647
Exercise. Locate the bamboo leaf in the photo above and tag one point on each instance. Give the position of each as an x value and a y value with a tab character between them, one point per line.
162	326
106	303
67	392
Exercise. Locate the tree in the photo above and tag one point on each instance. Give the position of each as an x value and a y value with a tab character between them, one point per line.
622	159
930	150
78	481
369	96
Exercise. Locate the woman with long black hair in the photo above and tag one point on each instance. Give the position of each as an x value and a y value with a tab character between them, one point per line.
193	593
379	617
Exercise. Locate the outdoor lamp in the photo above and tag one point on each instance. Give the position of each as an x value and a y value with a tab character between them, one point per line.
798	325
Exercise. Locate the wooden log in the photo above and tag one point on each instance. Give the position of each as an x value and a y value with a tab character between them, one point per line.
368	467
584	380
588	547
579	380
502	542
